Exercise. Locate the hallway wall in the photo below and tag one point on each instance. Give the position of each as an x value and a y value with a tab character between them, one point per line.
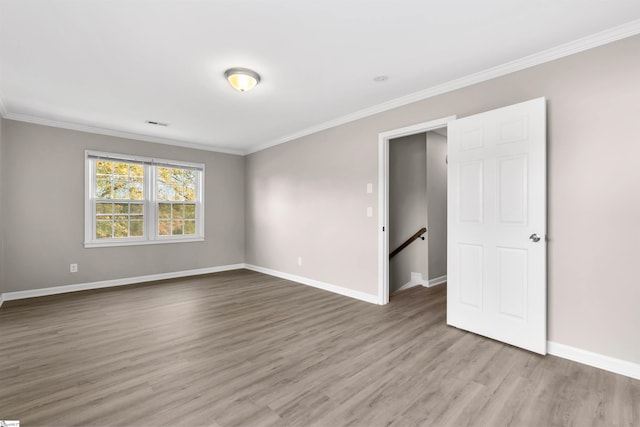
437	204
407	207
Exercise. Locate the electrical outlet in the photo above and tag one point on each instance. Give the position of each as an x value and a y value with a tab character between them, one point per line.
299	261
73	268
370	211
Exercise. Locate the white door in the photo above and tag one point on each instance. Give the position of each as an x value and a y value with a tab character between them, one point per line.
497	225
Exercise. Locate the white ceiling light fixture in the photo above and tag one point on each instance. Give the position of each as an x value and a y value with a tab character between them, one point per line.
242	79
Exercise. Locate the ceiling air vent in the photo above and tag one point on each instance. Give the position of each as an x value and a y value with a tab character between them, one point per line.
151	122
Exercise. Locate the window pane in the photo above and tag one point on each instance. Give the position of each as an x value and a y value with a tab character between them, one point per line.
190	211
189	194
136	170
176	175
164	175
119	180
176	227
137	227
164	227
176	211
189	227
104	208
136	208
135	189
104	189
178	193
121	169
104	168
120	190
121	226
103	229
176	184
189	178
165	192
164	210
121	208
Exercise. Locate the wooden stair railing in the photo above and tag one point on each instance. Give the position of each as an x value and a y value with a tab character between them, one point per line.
410	240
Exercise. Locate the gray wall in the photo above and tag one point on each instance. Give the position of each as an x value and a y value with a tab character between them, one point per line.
2	180
407	207
307	196
43	216
308	199
437	204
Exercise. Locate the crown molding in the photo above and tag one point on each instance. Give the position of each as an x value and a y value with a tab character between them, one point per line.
629	29
111	132
580	45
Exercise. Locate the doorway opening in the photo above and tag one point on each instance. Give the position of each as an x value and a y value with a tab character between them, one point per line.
404	204
418	210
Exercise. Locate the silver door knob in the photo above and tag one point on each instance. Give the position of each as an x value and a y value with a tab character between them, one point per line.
535	237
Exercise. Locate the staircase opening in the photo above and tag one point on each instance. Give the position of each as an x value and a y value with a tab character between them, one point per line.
417	215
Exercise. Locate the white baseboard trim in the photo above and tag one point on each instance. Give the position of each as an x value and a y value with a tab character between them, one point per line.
611	364
1	299
9	296
362	296
409	284
417	280
437	281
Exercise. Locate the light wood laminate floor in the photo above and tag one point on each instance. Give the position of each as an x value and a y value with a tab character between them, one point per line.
245	349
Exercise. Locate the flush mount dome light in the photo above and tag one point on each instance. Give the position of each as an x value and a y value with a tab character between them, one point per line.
242	79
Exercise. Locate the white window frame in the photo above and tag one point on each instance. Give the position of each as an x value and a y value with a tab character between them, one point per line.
151	236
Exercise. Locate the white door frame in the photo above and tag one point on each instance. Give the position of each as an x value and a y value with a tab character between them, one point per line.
383	196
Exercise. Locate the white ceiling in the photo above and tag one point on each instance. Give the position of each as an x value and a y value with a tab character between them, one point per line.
113	64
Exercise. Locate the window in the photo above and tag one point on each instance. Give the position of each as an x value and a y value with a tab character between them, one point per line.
176	195
137	200
119	199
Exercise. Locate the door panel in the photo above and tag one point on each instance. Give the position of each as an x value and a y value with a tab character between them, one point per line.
471	257
496	200
512	189
512	282
470	192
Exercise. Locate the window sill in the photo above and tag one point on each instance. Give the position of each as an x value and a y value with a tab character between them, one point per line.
90	245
